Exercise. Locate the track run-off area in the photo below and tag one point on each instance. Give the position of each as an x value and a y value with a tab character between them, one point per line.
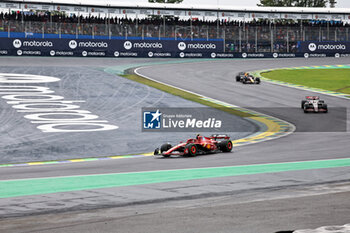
293	182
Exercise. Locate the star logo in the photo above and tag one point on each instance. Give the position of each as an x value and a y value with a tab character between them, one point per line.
152	119
156	115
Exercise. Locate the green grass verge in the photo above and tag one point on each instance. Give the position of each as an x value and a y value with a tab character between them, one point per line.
337	80
184	94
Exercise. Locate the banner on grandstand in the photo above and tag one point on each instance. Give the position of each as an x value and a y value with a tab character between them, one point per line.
291	16
323	47
99	10
337	17
322	17
165	12
259	15
8	5
37	7
64	8
195	13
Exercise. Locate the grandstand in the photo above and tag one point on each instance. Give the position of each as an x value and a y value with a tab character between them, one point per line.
241	30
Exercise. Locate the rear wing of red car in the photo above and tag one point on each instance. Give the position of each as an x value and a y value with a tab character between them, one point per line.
220	136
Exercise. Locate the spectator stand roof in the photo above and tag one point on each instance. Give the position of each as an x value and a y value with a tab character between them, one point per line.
111	7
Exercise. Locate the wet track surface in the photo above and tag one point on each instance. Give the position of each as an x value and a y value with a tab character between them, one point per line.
265	203
113	99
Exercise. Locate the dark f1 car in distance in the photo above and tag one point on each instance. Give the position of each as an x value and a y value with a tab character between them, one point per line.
314	104
247	78
197	146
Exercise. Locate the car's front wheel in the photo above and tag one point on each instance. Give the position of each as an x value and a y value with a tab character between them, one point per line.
303	103
165	147
325	107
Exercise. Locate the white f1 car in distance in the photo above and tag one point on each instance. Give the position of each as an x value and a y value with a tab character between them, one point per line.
314	104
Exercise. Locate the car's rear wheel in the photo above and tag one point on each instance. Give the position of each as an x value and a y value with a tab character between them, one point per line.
165	147
192	150
238	78
225	146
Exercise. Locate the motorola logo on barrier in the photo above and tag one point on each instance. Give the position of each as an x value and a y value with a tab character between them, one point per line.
49	112
312	47
17	43
87	44
142	45
332	47
127	45
31	43
183	46
73	44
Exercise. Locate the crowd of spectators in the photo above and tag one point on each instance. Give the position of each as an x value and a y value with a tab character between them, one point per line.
253	36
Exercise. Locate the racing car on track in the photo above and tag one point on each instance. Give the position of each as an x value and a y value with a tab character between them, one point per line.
314	104
247	78
197	146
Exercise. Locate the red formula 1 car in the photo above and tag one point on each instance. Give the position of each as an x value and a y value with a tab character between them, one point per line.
197	146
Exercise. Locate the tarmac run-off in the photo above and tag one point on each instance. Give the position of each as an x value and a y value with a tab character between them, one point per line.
50	112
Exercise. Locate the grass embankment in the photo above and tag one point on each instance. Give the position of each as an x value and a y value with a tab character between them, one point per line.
184	94
337	80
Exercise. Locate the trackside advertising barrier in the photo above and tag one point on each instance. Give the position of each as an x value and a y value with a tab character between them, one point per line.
316	48
108	48
154	48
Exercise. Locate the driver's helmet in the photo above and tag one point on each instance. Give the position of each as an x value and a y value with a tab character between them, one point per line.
197	136
246	74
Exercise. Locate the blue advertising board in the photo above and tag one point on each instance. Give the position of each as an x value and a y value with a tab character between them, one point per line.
323	47
154	48
115	48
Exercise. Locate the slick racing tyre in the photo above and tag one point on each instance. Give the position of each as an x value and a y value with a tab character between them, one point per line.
302	103
225	146
192	150
238	78
325	107
257	80
165	147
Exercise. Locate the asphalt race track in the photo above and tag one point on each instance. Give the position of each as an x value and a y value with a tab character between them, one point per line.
115	99
268	202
